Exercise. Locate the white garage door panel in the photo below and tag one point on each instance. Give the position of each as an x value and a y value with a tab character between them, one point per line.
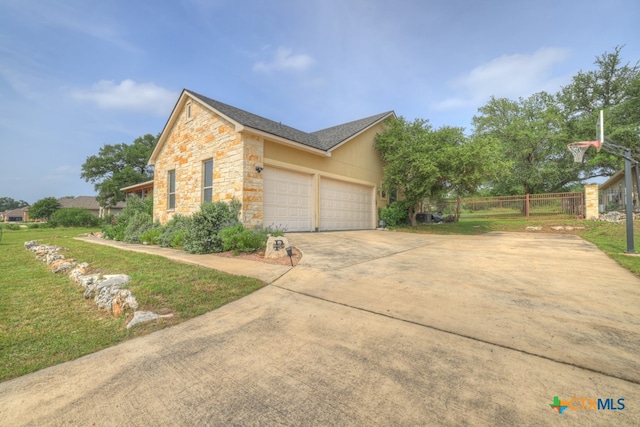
287	200
345	206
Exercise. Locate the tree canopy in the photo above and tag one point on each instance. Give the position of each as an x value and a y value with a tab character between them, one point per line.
44	208
422	163
531	144
7	204
532	133
118	166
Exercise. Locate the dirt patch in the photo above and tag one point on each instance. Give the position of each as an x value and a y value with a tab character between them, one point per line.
259	256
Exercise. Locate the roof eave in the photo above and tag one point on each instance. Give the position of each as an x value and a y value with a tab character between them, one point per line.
139	185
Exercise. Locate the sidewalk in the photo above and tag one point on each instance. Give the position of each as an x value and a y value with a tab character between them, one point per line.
260	270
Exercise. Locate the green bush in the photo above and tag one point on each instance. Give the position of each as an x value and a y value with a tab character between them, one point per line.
240	239
152	235
33	225
74	217
173	232
137	224
396	213
117	228
201	236
113	232
12	227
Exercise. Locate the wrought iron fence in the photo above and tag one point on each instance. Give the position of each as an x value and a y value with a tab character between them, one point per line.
525	205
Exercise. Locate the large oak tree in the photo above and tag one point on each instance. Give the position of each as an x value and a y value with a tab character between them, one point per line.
423	163
118	166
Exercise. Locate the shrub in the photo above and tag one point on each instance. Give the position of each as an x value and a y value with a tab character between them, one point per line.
12	227
115	228
113	232
274	231
152	235
110	219
395	214
74	217
201	236
174	231
137	224
33	225
240	239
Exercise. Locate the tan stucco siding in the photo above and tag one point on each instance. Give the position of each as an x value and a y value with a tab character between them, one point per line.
188	144
356	161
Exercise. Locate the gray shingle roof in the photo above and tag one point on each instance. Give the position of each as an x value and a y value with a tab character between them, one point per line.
330	137
84	202
323	139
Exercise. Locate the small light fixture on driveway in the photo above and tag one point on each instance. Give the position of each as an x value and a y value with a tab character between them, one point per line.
290	253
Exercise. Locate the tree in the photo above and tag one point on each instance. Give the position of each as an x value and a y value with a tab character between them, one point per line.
532	145
44	208
118	166
7	204
614	87
422	163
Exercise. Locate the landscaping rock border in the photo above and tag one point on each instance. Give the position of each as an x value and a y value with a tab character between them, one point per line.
108	291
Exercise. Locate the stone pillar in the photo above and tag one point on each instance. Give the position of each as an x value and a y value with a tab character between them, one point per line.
591	201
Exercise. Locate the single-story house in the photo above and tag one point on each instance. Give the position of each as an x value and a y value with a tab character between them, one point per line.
613	191
15	215
91	204
285	178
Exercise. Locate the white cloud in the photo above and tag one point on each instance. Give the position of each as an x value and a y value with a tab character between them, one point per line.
129	96
509	76
284	60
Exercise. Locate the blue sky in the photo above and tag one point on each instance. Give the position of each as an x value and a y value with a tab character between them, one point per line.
76	75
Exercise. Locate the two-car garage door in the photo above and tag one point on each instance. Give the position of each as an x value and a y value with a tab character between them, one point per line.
290	201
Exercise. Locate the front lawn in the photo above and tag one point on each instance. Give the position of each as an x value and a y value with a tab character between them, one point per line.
44	319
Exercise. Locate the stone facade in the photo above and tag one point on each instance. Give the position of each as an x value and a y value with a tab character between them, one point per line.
192	141
252	189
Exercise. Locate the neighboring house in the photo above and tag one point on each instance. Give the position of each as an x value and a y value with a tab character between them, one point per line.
284	177
613	191
15	215
144	189
91	204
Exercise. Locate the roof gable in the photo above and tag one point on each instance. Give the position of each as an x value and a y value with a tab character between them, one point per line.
331	137
323	140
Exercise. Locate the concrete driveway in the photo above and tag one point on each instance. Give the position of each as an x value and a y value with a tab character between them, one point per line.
377	328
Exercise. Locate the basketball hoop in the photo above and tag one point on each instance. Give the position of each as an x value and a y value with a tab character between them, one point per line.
579	148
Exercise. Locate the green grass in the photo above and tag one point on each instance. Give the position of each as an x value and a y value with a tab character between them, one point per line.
44	319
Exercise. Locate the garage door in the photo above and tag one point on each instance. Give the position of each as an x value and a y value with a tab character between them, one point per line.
287	200
345	206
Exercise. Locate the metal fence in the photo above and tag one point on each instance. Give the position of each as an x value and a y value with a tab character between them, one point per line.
526	205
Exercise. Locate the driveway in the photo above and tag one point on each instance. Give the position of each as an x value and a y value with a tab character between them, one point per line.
377	328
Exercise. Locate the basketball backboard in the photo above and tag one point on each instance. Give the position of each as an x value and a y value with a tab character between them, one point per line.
600	127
